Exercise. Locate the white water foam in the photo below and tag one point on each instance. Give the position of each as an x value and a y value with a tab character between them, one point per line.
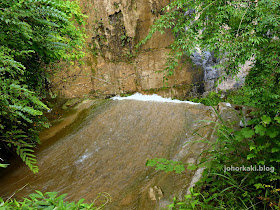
154	97
82	158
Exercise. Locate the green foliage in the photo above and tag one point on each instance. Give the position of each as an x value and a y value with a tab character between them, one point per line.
49	200
212	99
21	111
192	201
170	165
39	32
33	34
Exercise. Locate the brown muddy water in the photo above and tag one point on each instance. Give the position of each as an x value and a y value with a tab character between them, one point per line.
103	146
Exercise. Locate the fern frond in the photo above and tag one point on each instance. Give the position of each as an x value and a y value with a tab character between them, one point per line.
23	117
28	158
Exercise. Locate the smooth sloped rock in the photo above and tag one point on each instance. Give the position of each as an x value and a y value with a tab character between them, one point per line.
107	149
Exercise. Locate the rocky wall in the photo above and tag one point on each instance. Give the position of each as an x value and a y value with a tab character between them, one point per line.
112	65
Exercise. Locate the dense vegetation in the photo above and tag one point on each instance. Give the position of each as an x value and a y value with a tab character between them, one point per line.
33	35
49	200
235	31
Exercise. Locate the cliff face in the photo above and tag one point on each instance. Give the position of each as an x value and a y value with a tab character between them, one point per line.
112	66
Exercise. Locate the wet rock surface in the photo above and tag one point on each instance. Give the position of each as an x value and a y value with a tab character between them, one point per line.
107	149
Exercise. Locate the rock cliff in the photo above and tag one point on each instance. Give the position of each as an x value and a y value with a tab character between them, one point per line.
112	65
